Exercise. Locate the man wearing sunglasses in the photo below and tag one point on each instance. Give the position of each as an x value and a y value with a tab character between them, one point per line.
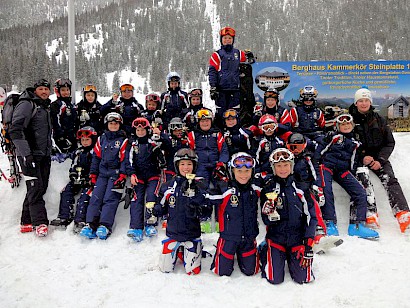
128	107
377	145
224	74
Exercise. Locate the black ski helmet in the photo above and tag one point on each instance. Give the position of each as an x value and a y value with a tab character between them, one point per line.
186	154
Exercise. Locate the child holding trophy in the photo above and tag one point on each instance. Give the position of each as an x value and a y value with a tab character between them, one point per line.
291	222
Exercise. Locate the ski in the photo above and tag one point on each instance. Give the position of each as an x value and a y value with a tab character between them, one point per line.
326	243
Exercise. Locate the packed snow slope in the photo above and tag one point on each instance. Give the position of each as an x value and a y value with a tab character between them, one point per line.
63	270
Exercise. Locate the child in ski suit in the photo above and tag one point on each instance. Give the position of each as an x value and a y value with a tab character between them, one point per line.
182	198
224	74
128	107
88	110
271	106
237	138
79	182
195	104
63	117
306	117
339	162
174	100
107	174
144	160
152	107
267	143
238	219
290	218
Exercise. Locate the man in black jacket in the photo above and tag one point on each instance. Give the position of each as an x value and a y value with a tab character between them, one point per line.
30	131
377	145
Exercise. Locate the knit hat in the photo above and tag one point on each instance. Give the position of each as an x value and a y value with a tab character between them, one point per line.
42	83
363	93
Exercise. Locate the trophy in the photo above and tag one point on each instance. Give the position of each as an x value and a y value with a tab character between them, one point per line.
150	207
274	216
189	192
155	124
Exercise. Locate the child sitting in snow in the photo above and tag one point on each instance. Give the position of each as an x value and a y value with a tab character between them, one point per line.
182	198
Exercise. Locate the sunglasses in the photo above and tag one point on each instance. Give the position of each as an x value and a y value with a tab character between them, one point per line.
152	97
269	127
90	87
204	114
282	155
344	118
85	133
127	88
143	123
227	31
243	161
230	113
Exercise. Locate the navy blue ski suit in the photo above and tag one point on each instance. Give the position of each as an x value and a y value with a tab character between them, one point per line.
108	163
266	146
64	119
309	121
281	115
238	139
173	102
170	145
93	111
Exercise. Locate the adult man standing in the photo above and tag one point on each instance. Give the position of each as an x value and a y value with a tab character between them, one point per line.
377	145
30	131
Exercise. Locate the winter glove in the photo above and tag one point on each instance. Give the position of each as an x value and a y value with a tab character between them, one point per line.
319	195
120	182
261	175
337	139
93	179
249	56
129	193
268	207
257	110
84	117
305	253
220	172
214	93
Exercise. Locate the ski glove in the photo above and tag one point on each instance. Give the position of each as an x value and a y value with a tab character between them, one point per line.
214	93
93	179
249	56
319	195
84	117
129	193
120	182
268	207
220	172
305	253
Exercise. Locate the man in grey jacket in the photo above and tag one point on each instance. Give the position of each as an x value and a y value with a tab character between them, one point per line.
30	131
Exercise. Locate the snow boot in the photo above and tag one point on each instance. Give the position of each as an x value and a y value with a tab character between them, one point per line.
102	232
26	228
135	234
372	219
60	222
78	226
42	230
360	230
403	218
150	231
331	228
88	232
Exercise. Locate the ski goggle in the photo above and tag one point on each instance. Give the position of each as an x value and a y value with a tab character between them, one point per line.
271	95
90	87
204	114
85	133
196	93
113	118
143	123
175	78
64	83
152	97
243	161
227	31
269	127
174	126
281	155
126	88
230	113
296	147
344	118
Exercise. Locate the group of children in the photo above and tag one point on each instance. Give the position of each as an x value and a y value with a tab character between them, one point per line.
182	164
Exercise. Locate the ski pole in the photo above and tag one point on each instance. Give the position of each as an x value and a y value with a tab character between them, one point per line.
3	175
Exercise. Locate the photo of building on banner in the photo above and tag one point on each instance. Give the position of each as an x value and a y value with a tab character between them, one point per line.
337	81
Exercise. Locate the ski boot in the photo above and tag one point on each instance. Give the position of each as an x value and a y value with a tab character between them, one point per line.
102	232
78	226
320	232
403	218
372	219
331	228
42	230
60	222
135	234
26	228
88	232
150	231
360	230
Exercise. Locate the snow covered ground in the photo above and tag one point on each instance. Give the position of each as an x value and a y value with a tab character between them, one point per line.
63	270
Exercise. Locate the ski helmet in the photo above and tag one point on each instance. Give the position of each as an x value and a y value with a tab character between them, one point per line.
239	160
308	93
185	154
88	132
173	76
113	117
142	122
90	88
281	154
196	92
175	123
126	87
61	83
204	113
227	31
267	123
296	143
343	118
271	92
